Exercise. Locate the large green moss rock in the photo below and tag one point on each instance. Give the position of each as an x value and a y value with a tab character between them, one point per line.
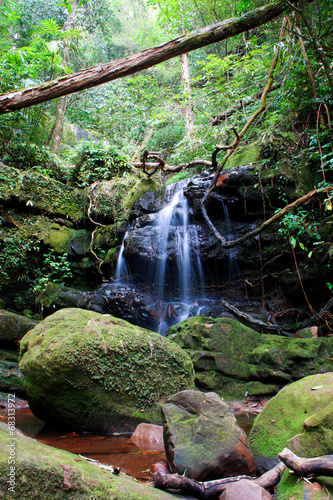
97	373
39	191
43	472
233	360
300	417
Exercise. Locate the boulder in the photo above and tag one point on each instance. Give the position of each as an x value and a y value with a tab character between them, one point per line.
92	372
148	437
299	417
13	327
244	488
40	471
233	360
202	438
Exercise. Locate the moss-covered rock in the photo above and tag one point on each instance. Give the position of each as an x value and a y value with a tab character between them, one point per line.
112	200
13	327
97	373
43	472
303	408
291	487
61	238
39	191
202	438
233	360
244	155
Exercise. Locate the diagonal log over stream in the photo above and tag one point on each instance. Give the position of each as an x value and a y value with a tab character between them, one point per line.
113	70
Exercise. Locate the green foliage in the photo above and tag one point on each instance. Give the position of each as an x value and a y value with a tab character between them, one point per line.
30	156
95	161
55	269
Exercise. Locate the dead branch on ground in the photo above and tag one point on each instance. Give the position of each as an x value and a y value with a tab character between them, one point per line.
209	489
306	467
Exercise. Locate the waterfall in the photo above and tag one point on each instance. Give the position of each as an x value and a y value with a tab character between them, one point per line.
122	271
183	272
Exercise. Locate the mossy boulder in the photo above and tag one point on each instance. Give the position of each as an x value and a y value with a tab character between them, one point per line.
61	238
52	474
13	327
93	372
112	200
233	360
39	191
300	417
202	438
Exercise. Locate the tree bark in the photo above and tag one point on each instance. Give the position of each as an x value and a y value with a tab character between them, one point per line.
186	81
58	127
211	489
305	467
137	62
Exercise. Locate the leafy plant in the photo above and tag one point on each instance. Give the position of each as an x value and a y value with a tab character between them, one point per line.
95	161
56	269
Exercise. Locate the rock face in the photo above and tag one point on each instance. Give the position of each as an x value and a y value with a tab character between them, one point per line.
202	438
300	417
232	359
93	372
45	472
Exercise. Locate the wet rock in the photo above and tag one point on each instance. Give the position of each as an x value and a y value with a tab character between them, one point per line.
57	296
202	438
45	472
300	416
244	489
92	372
148	437
13	327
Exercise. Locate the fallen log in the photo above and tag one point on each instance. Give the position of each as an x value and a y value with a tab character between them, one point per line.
306	467
277	329
119	68
210	489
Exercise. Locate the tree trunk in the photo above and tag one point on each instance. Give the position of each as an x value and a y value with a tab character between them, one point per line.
137	62
186	81
58	127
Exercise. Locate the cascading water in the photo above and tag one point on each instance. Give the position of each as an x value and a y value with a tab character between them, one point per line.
122	273
166	284
183	273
